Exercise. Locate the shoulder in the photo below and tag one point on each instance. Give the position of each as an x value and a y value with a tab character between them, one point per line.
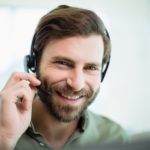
100	121
104	130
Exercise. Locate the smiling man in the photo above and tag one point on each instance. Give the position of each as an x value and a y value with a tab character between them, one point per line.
70	54
68	70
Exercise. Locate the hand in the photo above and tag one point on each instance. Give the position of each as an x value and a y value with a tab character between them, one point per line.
15	117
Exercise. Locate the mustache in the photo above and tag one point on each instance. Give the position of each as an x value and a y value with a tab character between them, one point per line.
66	90
63	89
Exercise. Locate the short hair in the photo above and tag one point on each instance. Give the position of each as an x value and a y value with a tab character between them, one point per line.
67	21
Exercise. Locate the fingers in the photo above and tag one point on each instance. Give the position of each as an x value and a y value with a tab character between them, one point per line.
18	76
23	89
21	86
24	98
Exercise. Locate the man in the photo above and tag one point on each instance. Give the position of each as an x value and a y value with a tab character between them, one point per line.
70	54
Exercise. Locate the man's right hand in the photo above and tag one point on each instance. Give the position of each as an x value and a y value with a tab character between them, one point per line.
15	116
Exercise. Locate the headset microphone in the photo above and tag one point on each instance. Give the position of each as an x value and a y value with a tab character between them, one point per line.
44	91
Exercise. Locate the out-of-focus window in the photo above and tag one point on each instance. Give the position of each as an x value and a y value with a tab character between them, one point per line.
16	30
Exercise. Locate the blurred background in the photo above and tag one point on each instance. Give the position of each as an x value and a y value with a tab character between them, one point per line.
125	92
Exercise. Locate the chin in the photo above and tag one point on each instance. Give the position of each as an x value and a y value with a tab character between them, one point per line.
66	113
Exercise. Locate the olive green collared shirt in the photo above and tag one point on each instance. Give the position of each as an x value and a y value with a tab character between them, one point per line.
93	130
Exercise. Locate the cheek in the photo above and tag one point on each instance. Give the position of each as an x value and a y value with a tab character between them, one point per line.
94	83
53	75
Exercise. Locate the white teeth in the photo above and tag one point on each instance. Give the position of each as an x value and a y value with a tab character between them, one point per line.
71	97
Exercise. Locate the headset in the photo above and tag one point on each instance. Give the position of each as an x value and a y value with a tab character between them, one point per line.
30	64
30	59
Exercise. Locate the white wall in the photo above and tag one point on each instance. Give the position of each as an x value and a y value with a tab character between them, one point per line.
124	94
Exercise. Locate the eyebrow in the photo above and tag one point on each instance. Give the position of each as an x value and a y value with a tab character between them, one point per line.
73	62
62	58
94	64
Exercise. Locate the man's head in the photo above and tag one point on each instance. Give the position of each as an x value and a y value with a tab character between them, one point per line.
66	21
70	47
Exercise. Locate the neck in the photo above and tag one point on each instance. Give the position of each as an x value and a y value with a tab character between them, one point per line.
54	132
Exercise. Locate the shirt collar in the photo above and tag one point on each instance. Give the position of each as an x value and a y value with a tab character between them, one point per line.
82	125
83	121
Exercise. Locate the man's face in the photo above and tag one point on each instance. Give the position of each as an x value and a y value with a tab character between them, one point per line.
70	69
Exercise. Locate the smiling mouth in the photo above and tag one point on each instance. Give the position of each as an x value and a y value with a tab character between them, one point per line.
70	97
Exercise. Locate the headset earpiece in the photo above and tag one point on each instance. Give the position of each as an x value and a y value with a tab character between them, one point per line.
30	60
104	70
29	63
105	66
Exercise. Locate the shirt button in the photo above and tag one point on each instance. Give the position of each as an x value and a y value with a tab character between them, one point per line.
42	144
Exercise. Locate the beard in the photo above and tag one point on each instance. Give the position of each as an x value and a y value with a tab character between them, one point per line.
61	111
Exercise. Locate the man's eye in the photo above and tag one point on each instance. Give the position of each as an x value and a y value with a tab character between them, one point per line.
92	68
61	62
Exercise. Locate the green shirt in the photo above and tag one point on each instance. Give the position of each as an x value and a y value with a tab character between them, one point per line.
93	129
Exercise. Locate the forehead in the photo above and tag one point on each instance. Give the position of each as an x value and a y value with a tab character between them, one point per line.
78	48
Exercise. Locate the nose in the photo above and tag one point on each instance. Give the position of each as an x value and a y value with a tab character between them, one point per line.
76	80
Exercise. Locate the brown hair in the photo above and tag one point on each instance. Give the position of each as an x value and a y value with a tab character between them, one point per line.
66	21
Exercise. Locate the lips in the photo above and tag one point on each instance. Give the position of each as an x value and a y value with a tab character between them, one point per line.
70	97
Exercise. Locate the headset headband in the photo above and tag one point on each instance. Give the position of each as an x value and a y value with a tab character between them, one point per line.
30	63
